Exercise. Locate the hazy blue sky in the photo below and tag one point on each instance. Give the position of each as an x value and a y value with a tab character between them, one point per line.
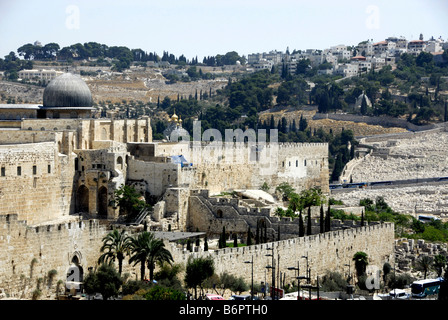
207	27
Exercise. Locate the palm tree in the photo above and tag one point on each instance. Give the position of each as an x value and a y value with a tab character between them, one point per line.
117	245
425	264
146	249
308	223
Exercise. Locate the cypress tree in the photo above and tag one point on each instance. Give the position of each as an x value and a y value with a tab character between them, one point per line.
205	244
301	228
249	237
303	124
189	245
362	218
283	126
327	220
278	233
446	111
321	219
222	239
272	123
257	233
235	241
265	233
308	223
363	105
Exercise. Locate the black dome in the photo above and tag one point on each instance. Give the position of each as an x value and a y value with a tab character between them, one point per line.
67	90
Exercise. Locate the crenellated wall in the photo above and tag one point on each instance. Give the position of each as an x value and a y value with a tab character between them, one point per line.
37	175
29	252
325	251
229	166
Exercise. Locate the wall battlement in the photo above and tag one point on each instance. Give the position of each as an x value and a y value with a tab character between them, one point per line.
335	249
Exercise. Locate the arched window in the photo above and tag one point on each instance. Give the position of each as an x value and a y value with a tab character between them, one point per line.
104	135
120	163
102	201
82	199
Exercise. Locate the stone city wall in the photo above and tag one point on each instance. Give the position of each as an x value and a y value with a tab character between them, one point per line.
325	251
156	176
302	165
240	167
384	121
29	252
35	176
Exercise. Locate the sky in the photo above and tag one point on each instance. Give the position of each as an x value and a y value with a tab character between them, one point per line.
198	28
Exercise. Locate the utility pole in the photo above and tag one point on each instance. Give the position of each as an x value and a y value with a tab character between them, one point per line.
252	278
272	267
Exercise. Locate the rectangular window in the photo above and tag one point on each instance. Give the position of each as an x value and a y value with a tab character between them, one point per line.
3	171
19	171
34	169
49	168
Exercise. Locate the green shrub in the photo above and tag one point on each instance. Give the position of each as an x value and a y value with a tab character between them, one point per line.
161	293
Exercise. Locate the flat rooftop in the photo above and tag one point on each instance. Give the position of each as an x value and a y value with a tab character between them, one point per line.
176	235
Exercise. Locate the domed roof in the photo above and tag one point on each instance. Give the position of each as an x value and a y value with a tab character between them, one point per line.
67	90
176	134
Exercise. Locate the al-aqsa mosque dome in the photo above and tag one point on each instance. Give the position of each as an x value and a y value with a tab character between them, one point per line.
66	96
67	90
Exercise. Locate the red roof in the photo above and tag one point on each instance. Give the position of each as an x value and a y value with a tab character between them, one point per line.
359	58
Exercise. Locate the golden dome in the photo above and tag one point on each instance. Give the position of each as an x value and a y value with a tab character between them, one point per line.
174	117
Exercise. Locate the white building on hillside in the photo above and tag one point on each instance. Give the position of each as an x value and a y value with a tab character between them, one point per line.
365	48
416	46
262	64
433	46
33	74
346	69
384	47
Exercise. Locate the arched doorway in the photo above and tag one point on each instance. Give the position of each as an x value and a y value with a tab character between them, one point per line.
102	201
82	199
120	163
